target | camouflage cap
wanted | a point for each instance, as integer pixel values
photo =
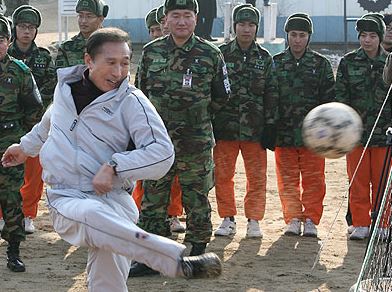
(236, 9)
(299, 21)
(160, 14)
(27, 14)
(181, 4)
(371, 22)
(250, 14)
(5, 26)
(97, 7)
(151, 18)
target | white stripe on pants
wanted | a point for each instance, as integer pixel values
(107, 225)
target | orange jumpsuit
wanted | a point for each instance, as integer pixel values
(367, 178)
(175, 207)
(301, 183)
(255, 162)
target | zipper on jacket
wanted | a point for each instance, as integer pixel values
(73, 125)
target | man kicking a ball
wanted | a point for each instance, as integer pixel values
(83, 141)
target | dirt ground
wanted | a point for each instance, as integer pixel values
(275, 263)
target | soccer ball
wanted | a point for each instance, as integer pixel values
(332, 129)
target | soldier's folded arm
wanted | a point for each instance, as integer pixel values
(220, 88)
(30, 101)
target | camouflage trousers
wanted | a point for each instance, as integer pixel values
(11, 179)
(196, 179)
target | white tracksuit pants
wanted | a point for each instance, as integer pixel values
(107, 226)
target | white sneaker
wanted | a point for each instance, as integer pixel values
(253, 229)
(294, 227)
(226, 228)
(175, 225)
(310, 230)
(359, 233)
(2, 223)
(29, 225)
(350, 229)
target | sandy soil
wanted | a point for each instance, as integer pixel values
(275, 263)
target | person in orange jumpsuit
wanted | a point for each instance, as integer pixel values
(239, 125)
(359, 83)
(305, 80)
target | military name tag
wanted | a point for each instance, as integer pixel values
(187, 79)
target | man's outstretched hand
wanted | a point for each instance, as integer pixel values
(13, 156)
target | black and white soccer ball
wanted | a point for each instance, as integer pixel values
(332, 129)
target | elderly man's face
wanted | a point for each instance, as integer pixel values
(110, 66)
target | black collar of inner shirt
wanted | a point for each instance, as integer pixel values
(89, 86)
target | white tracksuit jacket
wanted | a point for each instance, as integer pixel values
(73, 147)
(78, 145)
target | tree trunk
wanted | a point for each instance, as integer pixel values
(13, 4)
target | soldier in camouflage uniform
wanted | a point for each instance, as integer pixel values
(91, 14)
(20, 109)
(153, 26)
(26, 20)
(241, 122)
(185, 78)
(305, 80)
(175, 208)
(161, 19)
(359, 84)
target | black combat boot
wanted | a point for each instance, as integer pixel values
(198, 248)
(14, 263)
(141, 270)
(207, 265)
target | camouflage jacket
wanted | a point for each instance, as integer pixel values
(387, 74)
(187, 86)
(302, 85)
(359, 83)
(71, 52)
(254, 99)
(20, 101)
(38, 59)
